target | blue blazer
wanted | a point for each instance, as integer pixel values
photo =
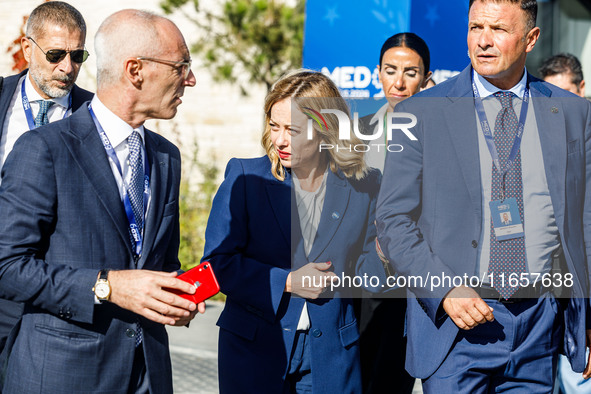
(62, 221)
(250, 242)
(9, 310)
(438, 176)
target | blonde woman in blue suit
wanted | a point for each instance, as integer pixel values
(297, 212)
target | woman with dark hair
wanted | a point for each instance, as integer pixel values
(298, 212)
(404, 67)
(403, 71)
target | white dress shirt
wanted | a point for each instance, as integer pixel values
(118, 131)
(309, 211)
(15, 123)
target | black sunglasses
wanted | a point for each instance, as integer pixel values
(57, 55)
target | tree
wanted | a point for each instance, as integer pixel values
(248, 40)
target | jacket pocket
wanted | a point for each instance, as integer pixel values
(349, 334)
(573, 147)
(242, 324)
(170, 209)
(66, 334)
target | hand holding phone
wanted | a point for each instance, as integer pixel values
(204, 280)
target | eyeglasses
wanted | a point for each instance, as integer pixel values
(183, 66)
(57, 55)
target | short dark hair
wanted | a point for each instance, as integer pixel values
(563, 63)
(57, 13)
(529, 6)
(411, 41)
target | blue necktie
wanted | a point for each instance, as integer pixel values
(507, 257)
(136, 197)
(136, 184)
(41, 118)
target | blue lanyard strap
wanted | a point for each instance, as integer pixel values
(488, 137)
(27, 106)
(133, 227)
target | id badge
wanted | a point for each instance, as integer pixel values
(506, 220)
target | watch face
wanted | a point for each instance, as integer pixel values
(102, 290)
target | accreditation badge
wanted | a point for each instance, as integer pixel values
(506, 220)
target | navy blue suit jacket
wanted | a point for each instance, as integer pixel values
(251, 240)
(11, 311)
(429, 213)
(62, 221)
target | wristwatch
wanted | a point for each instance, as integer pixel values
(102, 288)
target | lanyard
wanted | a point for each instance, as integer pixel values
(27, 107)
(490, 142)
(133, 227)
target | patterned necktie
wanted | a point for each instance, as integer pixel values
(507, 258)
(136, 197)
(136, 183)
(41, 117)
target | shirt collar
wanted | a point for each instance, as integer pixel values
(320, 189)
(33, 95)
(117, 129)
(486, 88)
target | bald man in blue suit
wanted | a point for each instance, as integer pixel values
(95, 292)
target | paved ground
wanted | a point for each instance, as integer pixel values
(194, 354)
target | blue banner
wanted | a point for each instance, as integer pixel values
(343, 38)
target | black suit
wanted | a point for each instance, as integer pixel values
(10, 311)
(381, 317)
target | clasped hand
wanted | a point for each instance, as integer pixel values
(144, 292)
(465, 307)
(310, 281)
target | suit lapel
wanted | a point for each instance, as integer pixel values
(87, 150)
(463, 129)
(333, 211)
(551, 129)
(79, 97)
(279, 195)
(298, 251)
(159, 164)
(10, 85)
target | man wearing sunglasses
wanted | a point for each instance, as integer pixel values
(54, 49)
(91, 244)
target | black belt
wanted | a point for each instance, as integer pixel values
(522, 294)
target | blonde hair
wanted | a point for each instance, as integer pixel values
(315, 91)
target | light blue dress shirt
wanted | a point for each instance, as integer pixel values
(541, 231)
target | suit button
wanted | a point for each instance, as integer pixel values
(316, 333)
(68, 314)
(130, 333)
(474, 244)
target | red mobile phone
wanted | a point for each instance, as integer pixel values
(204, 280)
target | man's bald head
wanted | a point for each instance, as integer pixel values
(125, 34)
(143, 66)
